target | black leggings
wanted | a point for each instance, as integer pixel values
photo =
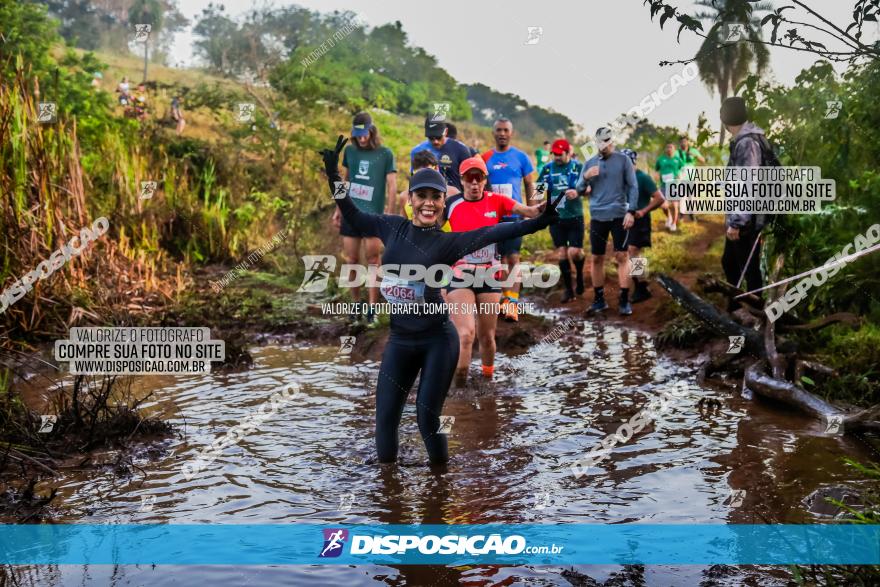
(435, 356)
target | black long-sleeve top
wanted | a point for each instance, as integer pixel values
(406, 243)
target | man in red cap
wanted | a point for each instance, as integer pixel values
(561, 175)
(475, 208)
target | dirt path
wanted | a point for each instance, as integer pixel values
(650, 315)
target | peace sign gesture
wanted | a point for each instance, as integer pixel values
(331, 156)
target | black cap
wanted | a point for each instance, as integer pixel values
(427, 178)
(434, 128)
(734, 111)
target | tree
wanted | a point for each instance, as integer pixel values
(848, 45)
(94, 24)
(724, 65)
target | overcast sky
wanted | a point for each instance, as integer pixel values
(595, 59)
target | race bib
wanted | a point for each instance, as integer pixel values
(483, 256)
(401, 291)
(667, 178)
(505, 189)
(361, 192)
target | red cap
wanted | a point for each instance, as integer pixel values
(560, 146)
(473, 163)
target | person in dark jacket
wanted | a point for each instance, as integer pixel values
(742, 249)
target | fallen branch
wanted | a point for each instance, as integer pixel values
(19, 456)
(820, 323)
(789, 393)
(712, 285)
(711, 317)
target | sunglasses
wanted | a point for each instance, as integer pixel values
(473, 177)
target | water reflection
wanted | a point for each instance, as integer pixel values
(511, 447)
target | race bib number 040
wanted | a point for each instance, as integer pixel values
(486, 255)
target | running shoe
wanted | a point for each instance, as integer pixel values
(567, 297)
(625, 309)
(598, 306)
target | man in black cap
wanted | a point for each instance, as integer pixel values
(449, 153)
(742, 249)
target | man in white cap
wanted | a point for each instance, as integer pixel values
(609, 181)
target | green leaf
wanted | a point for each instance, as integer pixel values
(807, 380)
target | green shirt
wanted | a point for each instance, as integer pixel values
(542, 158)
(367, 169)
(689, 157)
(647, 187)
(559, 179)
(668, 168)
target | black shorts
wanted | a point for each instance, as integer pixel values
(599, 230)
(512, 245)
(568, 232)
(640, 233)
(346, 229)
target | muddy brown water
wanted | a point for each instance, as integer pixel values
(511, 446)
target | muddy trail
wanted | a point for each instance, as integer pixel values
(512, 444)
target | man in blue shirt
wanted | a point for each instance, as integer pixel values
(449, 153)
(509, 168)
(609, 180)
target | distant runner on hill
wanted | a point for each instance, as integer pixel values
(668, 167)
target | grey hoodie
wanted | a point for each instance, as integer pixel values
(745, 151)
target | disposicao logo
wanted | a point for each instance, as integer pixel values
(455, 544)
(334, 539)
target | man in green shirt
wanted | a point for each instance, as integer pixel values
(561, 175)
(542, 157)
(639, 236)
(689, 157)
(668, 166)
(370, 171)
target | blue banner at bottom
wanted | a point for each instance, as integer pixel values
(514, 544)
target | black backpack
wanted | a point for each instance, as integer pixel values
(768, 159)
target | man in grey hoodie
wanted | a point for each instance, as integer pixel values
(742, 249)
(609, 180)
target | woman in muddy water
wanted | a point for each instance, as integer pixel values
(422, 339)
